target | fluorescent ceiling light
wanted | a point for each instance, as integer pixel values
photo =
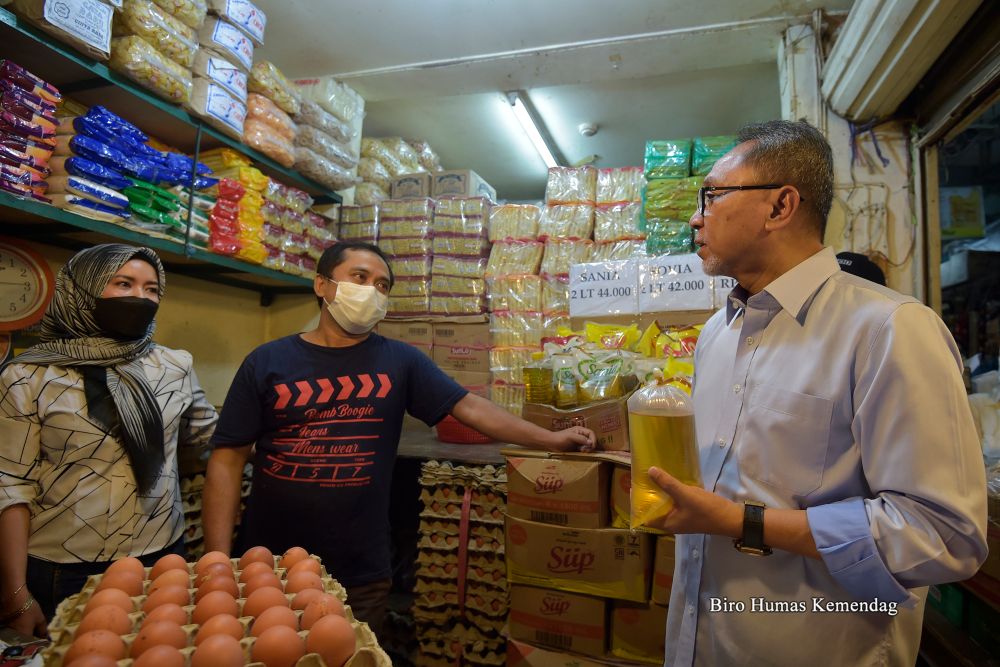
(531, 124)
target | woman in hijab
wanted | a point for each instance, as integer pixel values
(90, 422)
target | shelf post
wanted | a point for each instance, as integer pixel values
(188, 250)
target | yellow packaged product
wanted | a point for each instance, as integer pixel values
(566, 381)
(268, 80)
(619, 185)
(420, 288)
(514, 222)
(507, 363)
(415, 267)
(512, 329)
(510, 397)
(470, 246)
(679, 373)
(136, 59)
(571, 185)
(373, 171)
(360, 213)
(612, 336)
(266, 111)
(514, 258)
(409, 305)
(457, 305)
(376, 149)
(403, 228)
(555, 294)
(457, 286)
(562, 254)
(647, 341)
(265, 138)
(403, 247)
(404, 152)
(252, 251)
(518, 293)
(566, 221)
(189, 12)
(250, 177)
(359, 231)
(463, 267)
(366, 194)
(171, 37)
(219, 159)
(609, 252)
(251, 200)
(422, 209)
(617, 222)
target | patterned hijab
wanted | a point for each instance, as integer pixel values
(71, 337)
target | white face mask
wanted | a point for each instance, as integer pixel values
(357, 308)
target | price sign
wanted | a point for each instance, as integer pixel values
(723, 286)
(673, 282)
(603, 288)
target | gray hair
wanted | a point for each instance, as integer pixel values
(793, 153)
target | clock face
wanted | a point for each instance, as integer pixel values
(26, 285)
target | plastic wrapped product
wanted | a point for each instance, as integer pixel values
(462, 267)
(360, 213)
(373, 171)
(456, 286)
(297, 200)
(412, 287)
(89, 209)
(219, 159)
(457, 305)
(37, 104)
(407, 306)
(668, 159)
(116, 124)
(267, 79)
(171, 37)
(273, 235)
(200, 201)
(514, 258)
(617, 222)
(571, 185)
(615, 250)
(562, 254)
(674, 198)
(14, 157)
(338, 98)
(618, 185)
(403, 247)
(24, 176)
(221, 110)
(317, 246)
(404, 228)
(376, 149)
(136, 59)
(85, 24)
(516, 329)
(88, 190)
(470, 246)
(429, 160)
(296, 244)
(413, 267)
(358, 231)
(222, 71)
(327, 146)
(707, 150)
(407, 209)
(321, 234)
(366, 194)
(18, 76)
(514, 222)
(189, 12)
(228, 41)
(322, 170)
(555, 294)
(510, 397)
(251, 251)
(506, 363)
(90, 149)
(515, 293)
(262, 136)
(668, 237)
(474, 225)
(13, 124)
(405, 153)
(566, 221)
(265, 111)
(243, 14)
(13, 103)
(274, 259)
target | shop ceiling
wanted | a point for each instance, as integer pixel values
(638, 69)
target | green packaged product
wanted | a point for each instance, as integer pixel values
(668, 158)
(707, 151)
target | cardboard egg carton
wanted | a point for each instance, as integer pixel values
(444, 527)
(471, 588)
(483, 568)
(435, 509)
(488, 605)
(437, 472)
(484, 498)
(475, 654)
(439, 542)
(466, 633)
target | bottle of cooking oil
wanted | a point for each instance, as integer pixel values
(538, 387)
(661, 434)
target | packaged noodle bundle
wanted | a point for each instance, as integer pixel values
(516, 329)
(620, 184)
(359, 231)
(405, 246)
(606, 252)
(466, 216)
(463, 267)
(571, 185)
(617, 222)
(171, 37)
(322, 170)
(555, 294)
(406, 306)
(457, 305)
(457, 286)
(325, 145)
(510, 397)
(562, 254)
(273, 258)
(429, 160)
(668, 237)
(675, 198)
(514, 222)
(189, 12)
(366, 194)
(507, 363)
(376, 149)
(373, 171)
(267, 80)
(405, 153)
(566, 221)
(413, 267)
(314, 115)
(265, 111)
(359, 214)
(403, 228)
(707, 150)
(422, 209)
(265, 138)
(339, 99)
(515, 293)
(668, 159)
(472, 246)
(411, 287)
(136, 59)
(514, 258)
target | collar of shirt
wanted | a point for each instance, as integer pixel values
(792, 291)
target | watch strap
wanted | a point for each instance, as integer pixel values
(752, 541)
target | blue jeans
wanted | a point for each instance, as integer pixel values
(51, 582)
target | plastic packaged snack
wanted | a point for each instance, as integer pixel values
(457, 286)
(84, 146)
(617, 222)
(472, 246)
(14, 124)
(359, 214)
(25, 148)
(405, 153)
(227, 40)
(189, 12)
(404, 306)
(314, 115)
(568, 185)
(620, 184)
(412, 287)
(463, 267)
(358, 231)
(85, 24)
(457, 305)
(322, 143)
(221, 110)
(16, 158)
(23, 108)
(668, 159)
(562, 254)
(429, 160)
(515, 293)
(366, 194)
(317, 246)
(222, 71)
(81, 187)
(89, 209)
(555, 294)
(404, 228)
(24, 176)
(566, 221)
(514, 222)
(267, 79)
(296, 244)
(28, 82)
(35, 102)
(322, 170)
(337, 98)
(376, 148)
(408, 209)
(516, 329)
(403, 247)
(224, 158)
(373, 171)
(265, 111)
(615, 250)
(465, 216)
(514, 258)
(200, 201)
(247, 16)
(707, 150)
(297, 200)
(413, 267)
(673, 198)
(170, 36)
(263, 137)
(136, 59)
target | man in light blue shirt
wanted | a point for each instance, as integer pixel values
(841, 466)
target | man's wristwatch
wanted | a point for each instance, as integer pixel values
(752, 541)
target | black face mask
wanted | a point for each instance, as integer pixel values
(125, 316)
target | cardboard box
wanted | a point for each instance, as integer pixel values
(621, 488)
(663, 569)
(638, 631)
(461, 182)
(411, 186)
(552, 490)
(607, 562)
(565, 621)
(418, 334)
(607, 419)
(520, 654)
(462, 347)
(475, 381)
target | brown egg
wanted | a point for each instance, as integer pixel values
(301, 581)
(257, 555)
(92, 660)
(127, 564)
(110, 596)
(101, 642)
(292, 556)
(168, 611)
(223, 624)
(279, 646)
(267, 579)
(333, 638)
(130, 582)
(167, 563)
(156, 634)
(218, 651)
(325, 605)
(219, 583)
(109, 617)
(273, 617)
(304, 597)
(160, 656)
(170, 578)
(209, 558)
(253, 569)
(172, 594)
(214, 570)
(262, 599)
(213, 604)
(307, 565)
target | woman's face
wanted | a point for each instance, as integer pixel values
(135, 278)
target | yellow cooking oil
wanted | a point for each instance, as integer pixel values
(666, 441)
(538, 384)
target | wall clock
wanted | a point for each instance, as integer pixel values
(26, 285)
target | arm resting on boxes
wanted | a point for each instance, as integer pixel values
(15, 609)
(220, 501)
(492, 420)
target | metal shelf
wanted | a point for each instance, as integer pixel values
(92, 82)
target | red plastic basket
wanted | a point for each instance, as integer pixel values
(451, 430)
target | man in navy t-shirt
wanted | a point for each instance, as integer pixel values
(325, 410)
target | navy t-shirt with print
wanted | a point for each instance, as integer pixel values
(326, 423)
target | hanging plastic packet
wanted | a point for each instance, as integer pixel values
(605, 383)
(612, 336)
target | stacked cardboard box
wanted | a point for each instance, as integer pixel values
(581, 585)
(461, 590)
(191, 490)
